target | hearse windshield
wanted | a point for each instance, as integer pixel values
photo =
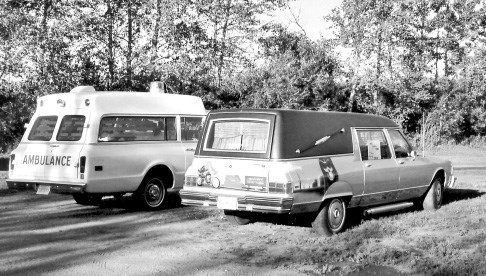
(238, 136)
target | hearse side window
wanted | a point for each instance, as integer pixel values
(191, 128)
(400, 145)
(43, 128)
(238, 135)
(373, 145)
(124, 128)
(71, 128)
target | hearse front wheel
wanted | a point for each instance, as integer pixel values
(433, 199)
(153, 193)
(236, 217)
(330, 220)
(87, 199)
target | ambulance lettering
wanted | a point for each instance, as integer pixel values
(44, 160)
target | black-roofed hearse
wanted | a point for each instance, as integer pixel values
(307, 162)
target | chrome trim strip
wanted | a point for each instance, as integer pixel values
(392, 191)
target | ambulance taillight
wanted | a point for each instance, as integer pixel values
(12, 159)
(82, 166)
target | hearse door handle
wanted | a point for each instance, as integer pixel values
(367, 165)
(190, 149)
(401, 161)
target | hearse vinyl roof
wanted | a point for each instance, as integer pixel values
(299, 130)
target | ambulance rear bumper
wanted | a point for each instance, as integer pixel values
(58, 188)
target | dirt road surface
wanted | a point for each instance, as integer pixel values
(52, 235)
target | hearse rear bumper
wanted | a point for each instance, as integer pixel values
(247, 201)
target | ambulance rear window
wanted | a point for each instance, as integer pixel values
(71, 128)
(43, 128)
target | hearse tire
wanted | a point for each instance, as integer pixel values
(433, 198)
(152, 193)
(331, 218)
(237, 218)
(87, 199)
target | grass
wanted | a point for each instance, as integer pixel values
(449, 241)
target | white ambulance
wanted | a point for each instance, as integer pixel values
(94, 143)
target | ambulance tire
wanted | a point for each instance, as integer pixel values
(87, 199)
(237, 217)
(153, 193)
(331, 218)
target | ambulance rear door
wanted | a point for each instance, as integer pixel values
(63, 155)
(31, 153)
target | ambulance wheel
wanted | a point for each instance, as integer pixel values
(330, 220)
(236, 217)
(433, 198)
(118, 196)
(87, 199)
(153, 193)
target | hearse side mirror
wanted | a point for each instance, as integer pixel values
(413, 154)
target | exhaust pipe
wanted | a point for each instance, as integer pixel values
(388, 208)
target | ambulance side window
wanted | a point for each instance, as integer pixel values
(191, 128)
(124, 128)
(43, 128)
(71, 128)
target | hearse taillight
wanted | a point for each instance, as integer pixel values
(280, 188)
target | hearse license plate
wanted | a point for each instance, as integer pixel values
(43, 189)
(228, 203)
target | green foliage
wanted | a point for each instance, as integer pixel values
(407, 60)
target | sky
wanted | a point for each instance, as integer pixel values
(310, 15)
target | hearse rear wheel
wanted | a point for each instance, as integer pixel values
(153, 193)
(433, 199)
(330, 220)
(236, 217)
(87, 199)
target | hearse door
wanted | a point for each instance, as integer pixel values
(191, 130)
(381, 173)
(64, 149)
(414, 175)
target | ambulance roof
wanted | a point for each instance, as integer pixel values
(117, 102)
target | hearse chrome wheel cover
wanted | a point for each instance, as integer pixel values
(154, 192)
(336, 214)
(438, 193)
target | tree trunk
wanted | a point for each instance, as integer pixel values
(110, 45)
(129, 45)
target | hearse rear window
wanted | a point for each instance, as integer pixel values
(43, 128)
(119, 129)
(238, 135)
(71, 128)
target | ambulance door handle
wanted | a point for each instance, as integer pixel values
(53, 146)
(401, 161)
(190, 149)
(367, 165)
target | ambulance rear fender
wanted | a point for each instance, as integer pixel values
(163, 172)
(339, 189)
